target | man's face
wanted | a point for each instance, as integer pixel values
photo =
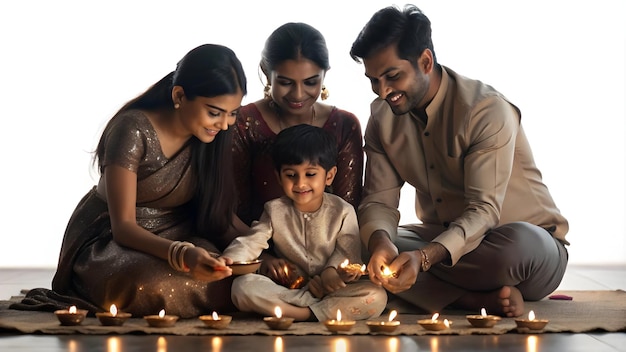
(401, 84)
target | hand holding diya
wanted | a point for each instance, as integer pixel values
(278, 322)
(113, 317)
(71, 316)
(336, 325)
(483, 320)
(162, 320)
(531, 323)
(215, 321)
(434, 324)
(384, 326)
(387, 273)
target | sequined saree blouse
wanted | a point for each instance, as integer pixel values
(254, 172)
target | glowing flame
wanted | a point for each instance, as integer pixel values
(277, 312)
(113, 310)
(435, 316)
(338, 315)
(392, 315)
(162, 313)
(215, 316)
(73, 310)
(483, 312)
(531, 315)
(363, 267)
(387, 272)
(446, 323)
(344, 263)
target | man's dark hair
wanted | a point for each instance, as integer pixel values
(408, 29)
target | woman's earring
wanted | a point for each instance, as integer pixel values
(176, 105)
(325, 94)
(267, 91)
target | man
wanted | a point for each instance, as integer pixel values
(491, 235)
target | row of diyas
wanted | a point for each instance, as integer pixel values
(74, 316)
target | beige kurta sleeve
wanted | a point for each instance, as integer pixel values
(381, 191)
(250, 246)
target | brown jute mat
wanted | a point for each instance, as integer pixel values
(588, 311)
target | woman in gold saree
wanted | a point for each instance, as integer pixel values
(146, 237)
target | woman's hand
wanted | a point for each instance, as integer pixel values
(205, 267)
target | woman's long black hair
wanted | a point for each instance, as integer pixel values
(209, 70)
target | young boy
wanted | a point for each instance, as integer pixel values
(313, 231)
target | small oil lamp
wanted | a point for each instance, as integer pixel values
(278, 322)
(353, 268)
(384, 326)
(336, 325)
(113, 317)
(434, 324)
(531, 323)
(388, 273)
(215, 321)
(483, 320)
(71, 316)
(162, 320)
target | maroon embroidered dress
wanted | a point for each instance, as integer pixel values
(254, 172)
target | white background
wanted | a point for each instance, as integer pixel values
(67, 66)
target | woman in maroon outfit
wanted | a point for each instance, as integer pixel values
(294, 62)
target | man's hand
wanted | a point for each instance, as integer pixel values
(406, 266)
(383, 252)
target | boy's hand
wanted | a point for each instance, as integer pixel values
(331, 281)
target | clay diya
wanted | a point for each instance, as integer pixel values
(483, 320)
(337, 325)
(531, 323)
(215, 321)
(435, 324)
(278, 322)
(113, 317)
(162, 320)
(384, 326)
(71, 316)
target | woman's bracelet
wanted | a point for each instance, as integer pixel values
(176, 255)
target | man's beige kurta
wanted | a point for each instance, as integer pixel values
(471, 166)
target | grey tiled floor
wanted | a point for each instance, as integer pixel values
(12, 280)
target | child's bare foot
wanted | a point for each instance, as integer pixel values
(506, 302)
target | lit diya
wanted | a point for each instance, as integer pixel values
(353, 268)
(434, 324)
(531, 323)
(384, 326)
(71, 316)
(278, 322)
(388, 273)
(113, 317)
(215, 321)
(162, 320)
(483, 320)
(336, 325)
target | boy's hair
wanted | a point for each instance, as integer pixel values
(298, 144)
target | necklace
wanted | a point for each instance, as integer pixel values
(276, 109)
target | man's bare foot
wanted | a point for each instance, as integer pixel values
(506, 302)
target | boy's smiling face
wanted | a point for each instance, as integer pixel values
(305, 183)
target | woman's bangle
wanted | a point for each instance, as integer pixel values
(176, 255)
